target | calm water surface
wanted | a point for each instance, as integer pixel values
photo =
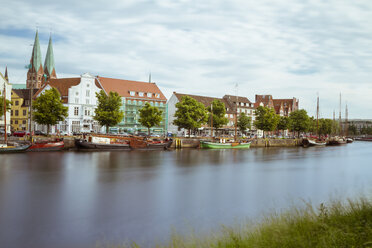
(76, 199)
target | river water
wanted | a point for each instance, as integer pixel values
(80, 199)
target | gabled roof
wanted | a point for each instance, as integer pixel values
(206, 100)
(240, 98)
(62, 85)
(24, 94)
(124, 87)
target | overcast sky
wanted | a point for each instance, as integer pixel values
(284, 48)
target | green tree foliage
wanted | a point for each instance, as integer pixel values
(353, 130)
(266, 119)
(244, 122)
(283, 123)
(299, 121)
(325, 126)
(313, 125)
(108, 111)
(335, 127)
(219, 112)
(150, 116)
(190, 114)
(48, 108)
(8, 105)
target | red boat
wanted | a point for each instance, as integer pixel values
(40, 146)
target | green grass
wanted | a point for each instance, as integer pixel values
(336, 224)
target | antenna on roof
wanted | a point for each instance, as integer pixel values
(150, 77)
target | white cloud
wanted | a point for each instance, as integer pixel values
(284, 48)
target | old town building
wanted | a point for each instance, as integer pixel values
(134, 95)
(21, 109)
(79, 95)
(4, 84)
(233, 105)
(283, 107)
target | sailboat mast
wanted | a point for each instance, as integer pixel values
(346, 121)
(236, 114)
(4, 105)
(317, 116)
(212, 119)
(339, 118)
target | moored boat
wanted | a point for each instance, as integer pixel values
(12, 148)
(349, 140)
(136, 143)
(101, 143)
(306, 142)
(40, 146)
(216, 145)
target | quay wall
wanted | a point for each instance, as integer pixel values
(195, 142)
(187, 142)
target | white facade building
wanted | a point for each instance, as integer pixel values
(79, 95)
(8, 89)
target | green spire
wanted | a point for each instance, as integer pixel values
(36, 53)
(49, 59)
(6, 74)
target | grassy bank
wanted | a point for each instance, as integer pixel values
(336, 224)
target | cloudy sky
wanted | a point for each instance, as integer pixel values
(287, 48)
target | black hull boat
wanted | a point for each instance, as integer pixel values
(85, 145)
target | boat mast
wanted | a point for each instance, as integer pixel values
(236, 114)
(346, 121)
(5, 130)
(212, 120)
(339, 118)
(317, 116)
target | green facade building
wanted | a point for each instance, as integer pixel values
(134, 95)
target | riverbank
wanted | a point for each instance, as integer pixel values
(330, 225)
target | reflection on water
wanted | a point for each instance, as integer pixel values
(75, 199)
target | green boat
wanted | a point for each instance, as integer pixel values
(215, 145)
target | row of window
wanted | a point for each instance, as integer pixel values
(134, 102)
(142, 94)
(16, 112)
(87, 112)
(87, 92)
(16, 122)
(87, 101)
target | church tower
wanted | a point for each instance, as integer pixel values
(49, 69)
(35, 69)
(6, 74)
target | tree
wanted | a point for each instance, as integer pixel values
(190, 114)
(244, 122)
(108, 111)
(312, 125)
(352, 129)
(8, 105)
(219, 111)
(325, 126)
(48, 108)
(150, 116)
(283, 123)
(266, 119)
(299, 121)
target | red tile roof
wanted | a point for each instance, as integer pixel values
(124, 87)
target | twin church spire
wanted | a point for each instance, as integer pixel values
(38, 75)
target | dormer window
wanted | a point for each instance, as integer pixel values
(157, 95)
(149, 94)
(140, 93)
(132, 93)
